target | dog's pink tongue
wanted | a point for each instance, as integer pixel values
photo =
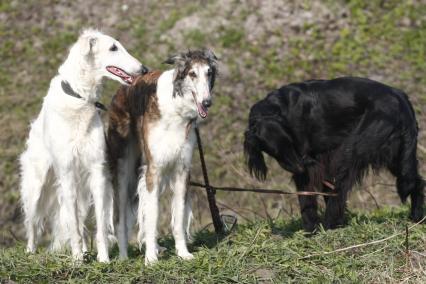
(202, 111)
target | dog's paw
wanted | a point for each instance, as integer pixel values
(150, 259)
(416, 214)
(103, 259)
(30, 249)
(186, 255)
(123, 256)
(78, 256)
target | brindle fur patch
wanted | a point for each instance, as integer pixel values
(133, 109)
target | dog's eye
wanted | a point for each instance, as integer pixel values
(209, 72)
(192, 74)
(113, 48)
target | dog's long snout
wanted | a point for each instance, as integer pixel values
(207, 103)
(144, 70)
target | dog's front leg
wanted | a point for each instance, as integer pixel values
(180, 206)
(101, 190)
(335, 207)
(69, 214)
(150, 206)
(180, 213)
(308, 204)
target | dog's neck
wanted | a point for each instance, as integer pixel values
(82, 80)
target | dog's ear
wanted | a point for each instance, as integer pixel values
(212, 60)
(179, 62)
(210, 55)
(88, 44)
(173, 59)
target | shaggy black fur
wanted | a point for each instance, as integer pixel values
(334, 130)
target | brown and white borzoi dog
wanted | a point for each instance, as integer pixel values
(150, 129)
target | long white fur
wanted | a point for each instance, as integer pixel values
(171, 148)
(63, 167)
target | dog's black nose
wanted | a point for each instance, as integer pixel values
(144, 70)
(207, 103)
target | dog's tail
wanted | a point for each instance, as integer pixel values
(254, 156)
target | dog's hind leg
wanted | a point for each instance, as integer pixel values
(126, 174)
(408, 180)
(123, 203)
(365, 146)
(140, 216)
(35, 165)
(308, 204)
(417, 200)
(126, 187)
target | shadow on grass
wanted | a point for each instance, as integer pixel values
(207, 239)
(383, 215)
(203, 238)
(287, 229)
(283, 228)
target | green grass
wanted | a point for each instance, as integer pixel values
(195, 38)
(231, 37)
(271, 251)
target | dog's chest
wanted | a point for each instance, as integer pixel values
(83, 123)
(170, 145)
(79, 129)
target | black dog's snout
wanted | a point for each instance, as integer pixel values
(207, 103)
(144, 70)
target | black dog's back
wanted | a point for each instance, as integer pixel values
(331, 109)
(334, 130)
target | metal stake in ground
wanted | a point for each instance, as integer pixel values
(217, 222)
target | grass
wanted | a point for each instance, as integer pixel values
(231, 37)
(260, 251)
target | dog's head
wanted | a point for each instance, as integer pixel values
(194, 77)
(106, 57)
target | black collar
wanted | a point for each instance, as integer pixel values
(66, 87)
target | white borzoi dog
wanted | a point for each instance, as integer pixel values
(63, 167)
(151, 133)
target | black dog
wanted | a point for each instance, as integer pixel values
(329, 132)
